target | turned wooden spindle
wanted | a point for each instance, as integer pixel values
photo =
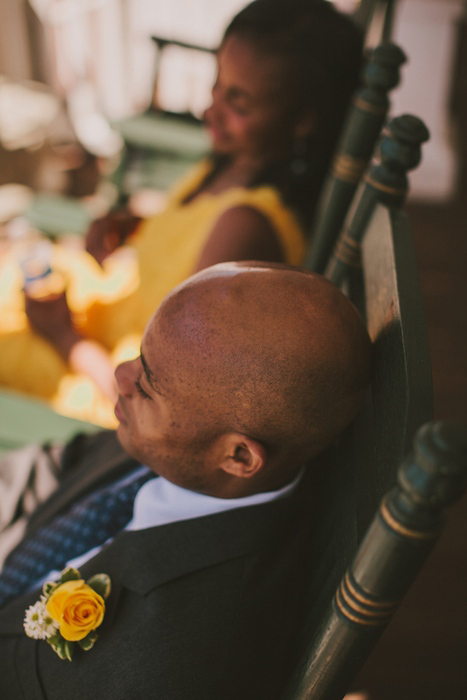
(362, 129)
(399, 539)
(386, 182)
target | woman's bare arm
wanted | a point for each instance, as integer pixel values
(241, 233)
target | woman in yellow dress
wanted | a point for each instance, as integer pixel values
(285, 75)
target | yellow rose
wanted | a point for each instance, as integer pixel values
(77, 608)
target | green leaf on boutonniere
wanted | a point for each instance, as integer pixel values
(69, 649)
(61, 647)
(89, 641)
(100, 583)
(48, 588)
(69, 574)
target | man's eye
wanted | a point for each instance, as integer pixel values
(141, 390)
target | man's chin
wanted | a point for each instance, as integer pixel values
(122, 437)
(130, 448)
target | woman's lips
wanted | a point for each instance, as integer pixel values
(216, 135)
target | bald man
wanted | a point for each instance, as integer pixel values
(247, 372)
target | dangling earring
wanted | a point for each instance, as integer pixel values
(299, 163)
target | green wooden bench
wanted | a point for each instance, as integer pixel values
(381, 506)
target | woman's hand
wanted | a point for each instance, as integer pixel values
(51, 318)
(108, 233)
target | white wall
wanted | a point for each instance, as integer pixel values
(426, 31)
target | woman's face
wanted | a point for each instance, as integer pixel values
(251, 117)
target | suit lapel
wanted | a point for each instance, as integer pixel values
(145, 559)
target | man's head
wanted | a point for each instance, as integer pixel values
(246, 371)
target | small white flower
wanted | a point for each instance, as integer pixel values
(49, 625)
(37, 622)
(33, 621)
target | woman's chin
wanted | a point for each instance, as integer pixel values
(219, 143)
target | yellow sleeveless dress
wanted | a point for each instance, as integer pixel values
(113, 304)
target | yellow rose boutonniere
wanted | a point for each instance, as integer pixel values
(69, 611)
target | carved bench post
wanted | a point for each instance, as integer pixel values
(363, 126)
(386, 182)
(397, 542)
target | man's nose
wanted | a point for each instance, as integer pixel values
(125, 375)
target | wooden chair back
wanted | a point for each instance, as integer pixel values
(189, 52)
(407, 524)
(357, 144)
(360, 587)
(374, 261)
(161, 143)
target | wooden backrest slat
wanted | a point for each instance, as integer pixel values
(361, 131)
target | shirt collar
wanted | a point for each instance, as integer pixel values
(159, 502)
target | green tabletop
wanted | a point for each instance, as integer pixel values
(24, 420)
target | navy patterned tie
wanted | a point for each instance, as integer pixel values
(87, 524)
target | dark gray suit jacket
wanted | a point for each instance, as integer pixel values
(200, 610)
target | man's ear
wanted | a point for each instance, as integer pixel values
(242, 456)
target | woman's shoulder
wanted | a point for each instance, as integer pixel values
(249, 205)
